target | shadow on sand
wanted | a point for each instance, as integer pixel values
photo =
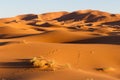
(99, 40)
(19, 63)
(4, 43)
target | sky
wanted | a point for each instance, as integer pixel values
(9, 8)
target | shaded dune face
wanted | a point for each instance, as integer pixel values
(51, 15)
(112, 23)
(88, 16)
(73, 16)
(99, 40)
(27, 17)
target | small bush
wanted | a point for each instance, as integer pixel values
(42, 63)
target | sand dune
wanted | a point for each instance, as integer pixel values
(79, 45)
(53, 36)
(27, 17)
(51, 15)
(88, 16)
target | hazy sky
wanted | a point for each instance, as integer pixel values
(15, 7)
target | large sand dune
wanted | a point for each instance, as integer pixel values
(84, 45)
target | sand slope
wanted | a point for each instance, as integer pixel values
(77, 56)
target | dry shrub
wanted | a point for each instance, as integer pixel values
(42, 63)
(48, 65)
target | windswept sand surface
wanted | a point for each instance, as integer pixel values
(84, 45)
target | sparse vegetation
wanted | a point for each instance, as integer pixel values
(42, 63)
(49, 65)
